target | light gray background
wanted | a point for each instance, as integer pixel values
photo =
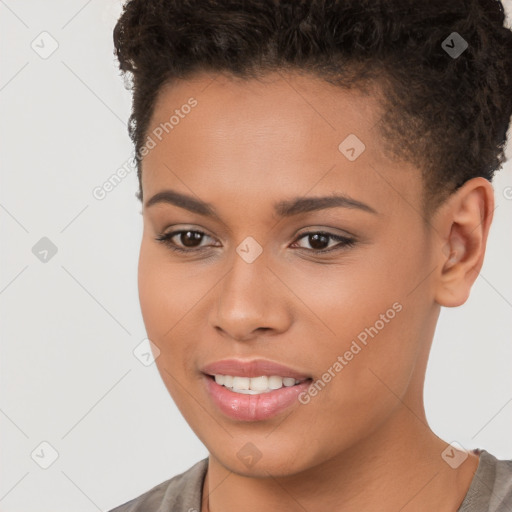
(69, 326)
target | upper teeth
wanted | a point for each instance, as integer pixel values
(254, 385)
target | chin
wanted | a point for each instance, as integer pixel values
(265, 457)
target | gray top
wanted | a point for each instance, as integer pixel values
(490, 490)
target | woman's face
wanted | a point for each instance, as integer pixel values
(253, 288)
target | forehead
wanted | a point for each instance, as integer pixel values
(283, 135)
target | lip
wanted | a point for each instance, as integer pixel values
(260, 407)
(252, 368)
(244, 407)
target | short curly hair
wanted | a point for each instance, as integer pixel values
(446, 114)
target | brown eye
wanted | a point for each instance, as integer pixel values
(190, 238)
(319, 241)
(183, 239)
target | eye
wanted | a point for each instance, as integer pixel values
(189, 238)
(319, 239)
(191, 241)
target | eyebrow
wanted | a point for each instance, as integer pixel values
(286, 208)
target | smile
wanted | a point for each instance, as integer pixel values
(255, 385)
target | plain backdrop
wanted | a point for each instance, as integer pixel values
(70, 324)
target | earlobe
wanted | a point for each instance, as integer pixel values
(464, 226)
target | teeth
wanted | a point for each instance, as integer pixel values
(241, 382)
(254, 385)
(275, 382)
(259, 383)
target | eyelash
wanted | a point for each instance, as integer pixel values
(344, 241)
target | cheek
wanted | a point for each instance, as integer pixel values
(154, 294)
(365, 327)
(366, 364)
(166, 294)
(172, 295)
(164, 301)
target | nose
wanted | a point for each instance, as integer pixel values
(250, 302)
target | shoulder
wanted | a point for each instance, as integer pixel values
(180, 493)
(491, 488)
(501, 497)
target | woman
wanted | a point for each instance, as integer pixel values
(316, 184)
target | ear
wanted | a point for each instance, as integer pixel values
(463, 223)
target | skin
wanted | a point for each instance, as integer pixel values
(363, 442)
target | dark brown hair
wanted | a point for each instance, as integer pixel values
(446, 114)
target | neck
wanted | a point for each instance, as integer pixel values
(398, 467)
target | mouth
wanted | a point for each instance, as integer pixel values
(255, 385)
(253, 390)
